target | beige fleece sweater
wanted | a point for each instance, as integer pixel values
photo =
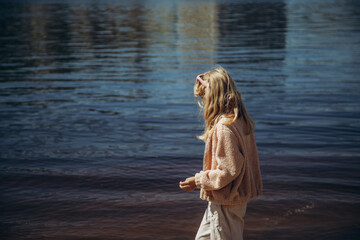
(231, 172)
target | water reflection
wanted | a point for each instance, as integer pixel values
(253, 25)
(99, 121)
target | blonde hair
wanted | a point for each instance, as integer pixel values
(221, 99)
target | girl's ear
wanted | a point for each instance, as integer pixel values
(230, 100)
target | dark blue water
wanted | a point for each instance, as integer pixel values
(98, 118)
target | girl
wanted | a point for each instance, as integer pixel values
(231, 174)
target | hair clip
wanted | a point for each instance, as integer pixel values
(199, 78)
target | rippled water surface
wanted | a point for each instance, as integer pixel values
(98, 118)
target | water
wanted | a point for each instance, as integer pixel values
(98, 118)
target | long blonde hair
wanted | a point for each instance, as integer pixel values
(221, 99)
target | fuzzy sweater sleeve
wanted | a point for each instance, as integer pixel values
(229, 161)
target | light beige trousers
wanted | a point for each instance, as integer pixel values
(222, 223)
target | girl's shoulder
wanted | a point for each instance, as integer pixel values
(227, 124)
(225, 120)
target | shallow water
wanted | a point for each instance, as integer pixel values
(98, 119)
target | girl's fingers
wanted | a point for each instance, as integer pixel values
(184, 186)
(184, 183)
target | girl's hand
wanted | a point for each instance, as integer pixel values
(188, 185)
